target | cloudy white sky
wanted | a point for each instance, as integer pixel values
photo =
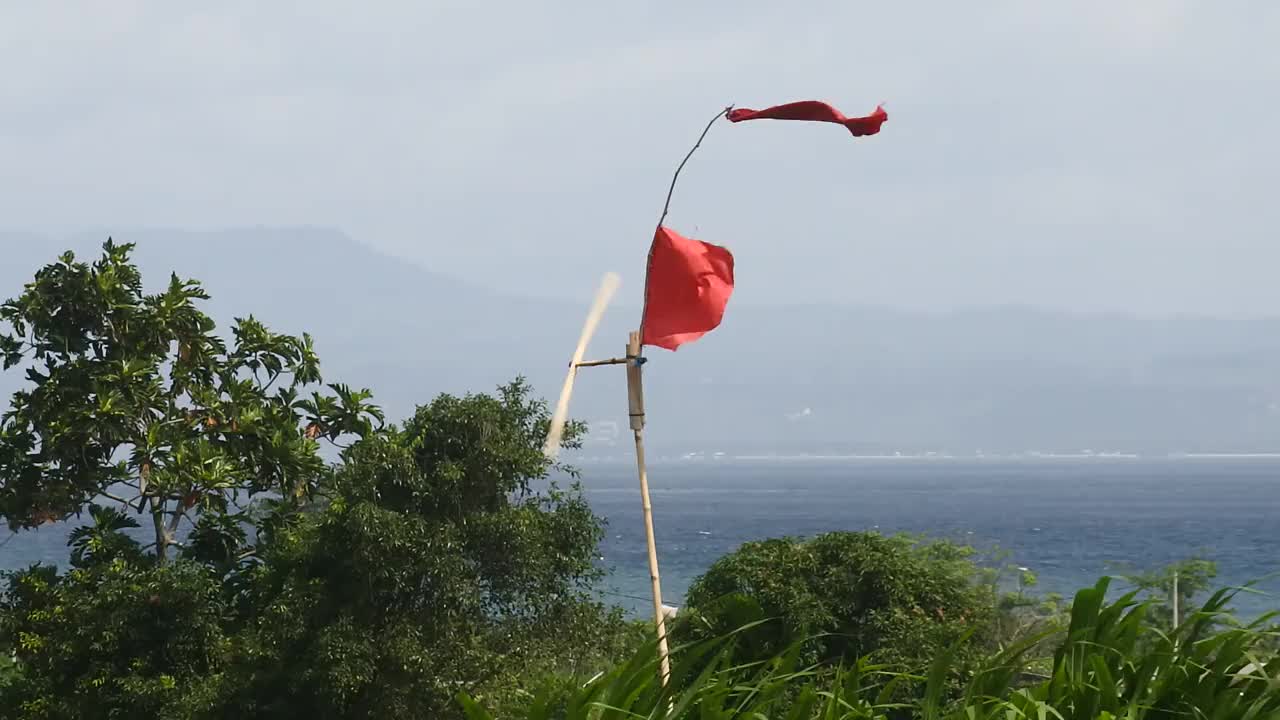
(1090, 154)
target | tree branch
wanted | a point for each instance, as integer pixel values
(162, 538)
(178, 514)
(117, 498)
(271, 382)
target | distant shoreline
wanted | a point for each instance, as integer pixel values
(940, 457)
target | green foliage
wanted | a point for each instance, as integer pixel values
(433, 566)
(894, 599)
(113, 639)
(219, 541)
(8, 670)
(134, 393)
(1023, 619)
(425, 566)
(424, 560)
(1191, 577)
(1115, 663)
(104, 540)
(1110, 664)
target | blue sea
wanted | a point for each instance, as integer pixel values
(1068, 520)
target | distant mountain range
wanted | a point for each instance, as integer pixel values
(786, 380)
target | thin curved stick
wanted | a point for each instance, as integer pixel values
(666, 207)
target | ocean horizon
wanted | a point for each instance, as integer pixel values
(1070, 520)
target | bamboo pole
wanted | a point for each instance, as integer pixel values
(635, 404)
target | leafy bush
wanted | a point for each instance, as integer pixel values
(113, 638)
(8, 669)
(1191, 578)
(855, 594)
(1111, 663)
(1115, 662)
(432, 566)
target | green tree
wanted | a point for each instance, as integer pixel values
(135, 399)
(432, 557)
(1187, 579)
(435, 565)
(135, 406)
(895, 599)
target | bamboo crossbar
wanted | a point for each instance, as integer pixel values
(598, 363)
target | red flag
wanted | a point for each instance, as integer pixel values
(687, 287)
(814, 111)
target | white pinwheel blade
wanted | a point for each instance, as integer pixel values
(608, 286)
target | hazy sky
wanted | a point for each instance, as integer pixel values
(1091, 154)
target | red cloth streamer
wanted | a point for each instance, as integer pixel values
(814, 111)
(686, 289)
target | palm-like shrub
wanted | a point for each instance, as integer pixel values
(1112, 663)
